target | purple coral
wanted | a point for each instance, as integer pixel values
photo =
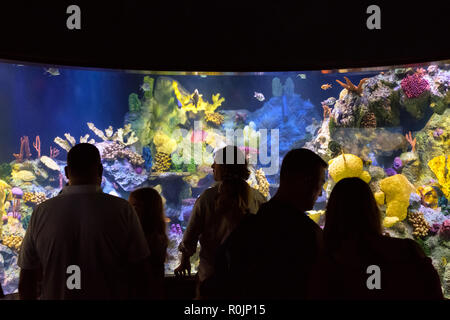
(438, 132)
(390, 172)
(138, 170)
(397, 164)
(435, 228)
(444, 230)
(414, 85)
(17, 193)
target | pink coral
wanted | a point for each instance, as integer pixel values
(414, 85)
(444, 230)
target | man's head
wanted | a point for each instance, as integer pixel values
(302, 177)
(84, 165)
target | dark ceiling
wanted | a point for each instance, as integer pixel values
(225, 35)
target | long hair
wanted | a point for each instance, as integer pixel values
(232, 199)
(352, 214)
(150, 209)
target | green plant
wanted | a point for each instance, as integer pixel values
(5, 171)
(192, 168)
(134, 104)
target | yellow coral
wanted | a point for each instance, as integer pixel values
(429, 196)
(12, 241)
(315, 215)
(214, 117)
(442, 171)
(164, 143)
(5, 195)
(34, 197)
(118, 136)
(186, 101)
(23, 175)
(162, 162)
(420, 225)
(397, 189)
(347, 166)
(263, 184)
(379, 197)
(50, 163)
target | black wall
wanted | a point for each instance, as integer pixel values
(225, 35)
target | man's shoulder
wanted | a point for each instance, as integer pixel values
(103, 198)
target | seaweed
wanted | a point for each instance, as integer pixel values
(134, 104)
(424, 246)
(332, 126)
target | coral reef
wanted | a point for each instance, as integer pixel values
(214, 117)
(162, 162)
(397, 190)
(444, 230)
(125, 136)
(195, 103)
(441, 168)
(24, 150)
(261, 184)
(347, 166)
(115, 150)
(414, 86)
(34, 197)
(50, 163)
(164, 144)
(351, 87)
(122, 172)
(13, 242)
(411, 141)
(420, 225)
(23, 175)
(369, 120)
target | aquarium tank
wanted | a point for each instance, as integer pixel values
(390, 126)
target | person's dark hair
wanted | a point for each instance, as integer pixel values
(352, 214)
(84, 160)
(232, 200)
(150, 210)
(302, 162)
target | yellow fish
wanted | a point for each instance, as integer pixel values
(432, 104)
(444, 261)
(325, 86)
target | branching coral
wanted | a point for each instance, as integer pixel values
(351, 87)
(411, 141)
(124, 136)
(116, 150)
(369, 121)
(441, 168)
(194, 102)
(71, 141)
(214, 117)
(420, 225)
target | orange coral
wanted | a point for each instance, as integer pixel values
(326, 111)
(351, 87)
(411, 141)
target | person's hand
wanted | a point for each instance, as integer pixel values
(184, 268)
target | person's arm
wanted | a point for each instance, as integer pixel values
(188, 245)
(28, 261)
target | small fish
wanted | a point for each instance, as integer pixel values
(52, 71)
(444, 261)
(203, 76)
(433, 104)
(326, 86)
(325, 71)
(259, 96)
(302, 75)
(195, 98)
(179, 103)
(330, 101)
(145, 87)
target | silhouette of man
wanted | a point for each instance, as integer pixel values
(272, 256)
(83, 227)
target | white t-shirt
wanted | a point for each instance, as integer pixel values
(203, 227)
(83, 226)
